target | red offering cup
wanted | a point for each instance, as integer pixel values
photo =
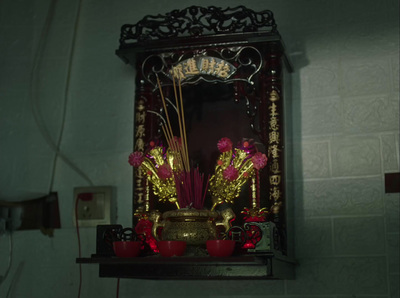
(220, 248)
(127, 249)
(171, 248)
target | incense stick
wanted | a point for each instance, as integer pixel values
(188, 183)
(168, 132)
(183, 122)
(181, 128)
(165, 107)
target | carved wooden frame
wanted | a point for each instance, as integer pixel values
(250, 43)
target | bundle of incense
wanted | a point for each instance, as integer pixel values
(190, 188)
(180, 149)
(188, 182)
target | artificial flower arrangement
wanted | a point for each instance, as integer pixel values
(187, 189)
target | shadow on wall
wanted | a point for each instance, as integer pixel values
(294, 164)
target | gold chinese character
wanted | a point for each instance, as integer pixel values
(273, 123)
(205, 65)
(275, 167)
(190, 67)
(274, 96)
(140, 105)
(177, 72)
(275, 179)
(275, 193)
(274, 137)
(140, 198)
(140, 117)
(273, 109)
(222, 69)
(140, 131)
(139, 146)
(274, 151)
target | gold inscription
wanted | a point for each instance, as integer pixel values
(203, 65)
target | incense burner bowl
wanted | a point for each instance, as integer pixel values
(193, 226)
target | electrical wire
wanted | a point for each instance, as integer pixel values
(79, 246)
(14, 279)
(55, 146)
(10, 250)
(117, 288)
(66, 98)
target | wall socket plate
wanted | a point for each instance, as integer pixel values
(93, 206)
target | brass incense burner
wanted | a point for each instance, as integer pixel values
(191, 225)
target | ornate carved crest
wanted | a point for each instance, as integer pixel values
(198, 21)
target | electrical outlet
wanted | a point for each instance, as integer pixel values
(92, 206)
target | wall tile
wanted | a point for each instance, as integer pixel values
(355, 156)
(314, 160)
(319, 80)
(367, 40)
(392, 212)
(313, 238)
(357, 276)
(359, 236)
(345, 11)
(394, 62)
(341, 197)
(394, 285)
(361, 276)
(317, 45)
(389, 153)
(365, 77)
(370, 114)
(393, 252)
(321, 116)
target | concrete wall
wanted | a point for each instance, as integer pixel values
(346, 110)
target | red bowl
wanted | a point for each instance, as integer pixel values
(171, 248)
(127, 249)
(220, 248)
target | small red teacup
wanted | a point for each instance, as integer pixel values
(171, 248)
(220, 248)
(127, 249)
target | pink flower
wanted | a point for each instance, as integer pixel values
(230, 173)
(259, 160)
(164, 172)
(224, 145)
(136, 159)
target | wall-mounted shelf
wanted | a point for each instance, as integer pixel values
(260, 266)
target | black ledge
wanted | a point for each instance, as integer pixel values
(260, 266)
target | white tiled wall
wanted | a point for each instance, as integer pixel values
(346, 117)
